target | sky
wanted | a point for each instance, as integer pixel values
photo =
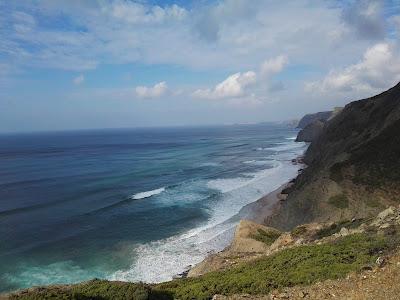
(112, 63)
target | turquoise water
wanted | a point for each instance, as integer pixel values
(137, 204)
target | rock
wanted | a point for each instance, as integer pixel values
(384, 216)
(380, 261)
(344, 231)
(244, 242)
(302, 294)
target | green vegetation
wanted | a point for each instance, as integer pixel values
(95, 289)
(299, 230)
(339, 201)
(294, 266)
(266, 237)
(336, 227)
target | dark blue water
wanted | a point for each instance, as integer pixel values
(136, 204)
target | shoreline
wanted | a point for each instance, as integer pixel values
(262, 208)
(257, 212)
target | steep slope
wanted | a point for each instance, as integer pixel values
(310, 118)
(353, 165)
(311, 132)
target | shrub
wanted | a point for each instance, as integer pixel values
(339, 201)
(294, 266)
(299, 230)
(336, 227)
(266, 237)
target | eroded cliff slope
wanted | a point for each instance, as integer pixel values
(353, 166)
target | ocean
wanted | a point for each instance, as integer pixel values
(130, 204)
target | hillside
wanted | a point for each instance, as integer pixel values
(353, 165)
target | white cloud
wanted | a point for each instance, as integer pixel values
(79, 79)
(274, 65)
(245, 85)
(158, 90)
(232, 87)
(379, 69)
(137, 13)
(227, 34)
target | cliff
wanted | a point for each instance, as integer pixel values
(311, 132)
(353, 165)
(310, 118)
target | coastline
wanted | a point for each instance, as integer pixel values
(261, 209)
(256, 212)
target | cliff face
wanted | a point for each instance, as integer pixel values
(311, 132)
(353, 165)
(310, 118)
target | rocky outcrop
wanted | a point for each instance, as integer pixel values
(310, 118)
(310, 132)
(249, 242)
(353, 166)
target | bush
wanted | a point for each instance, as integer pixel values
(295, 266)
(266, 237)
(339, 201)
(336, 227)
(94, 289)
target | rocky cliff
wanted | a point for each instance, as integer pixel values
(311, 132)
(353, 165)
(310, 118)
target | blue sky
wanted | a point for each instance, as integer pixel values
(103, 64)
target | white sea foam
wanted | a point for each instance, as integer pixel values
(159, 261)
(228, 184)
(292, 138)
(286, 147)
(257, 162)
(147, 194)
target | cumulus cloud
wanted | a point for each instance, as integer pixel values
(240, 85)
(232, 87)
(158, 90)
(79, 79)
(379, 69)
(365, 16)
(274, 65)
